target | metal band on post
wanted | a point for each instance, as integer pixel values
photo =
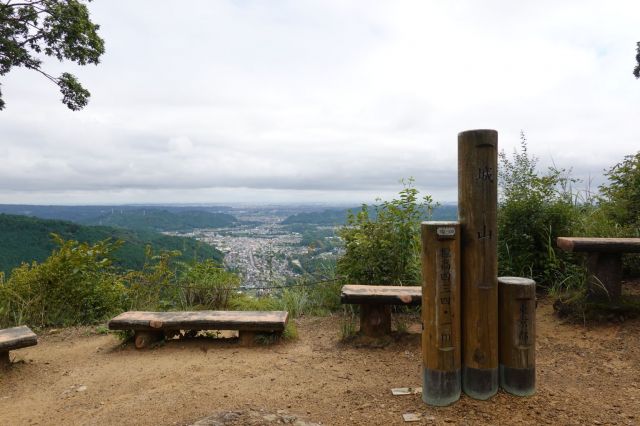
(441, 312)
(517, 335)
(477, 207)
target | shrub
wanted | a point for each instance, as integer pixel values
(533, 210)
(383, 246)
(620, 203)
(75, 285)
(154, 287)
(206, 285)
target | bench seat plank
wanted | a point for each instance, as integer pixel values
(16, 338)
(601, 245)
(381, 294)
(201, 320)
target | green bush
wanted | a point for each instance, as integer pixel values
(383, 246)
(533, 210)
(620, 203)
(75, 285)
(206, 285)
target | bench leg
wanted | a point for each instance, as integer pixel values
(605, 270)
(144, 339)
(4, 359)
(247, 338)
(375, 320)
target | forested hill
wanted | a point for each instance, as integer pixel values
(24, 239)
(163, 220)
(336, 217)
(154, 218)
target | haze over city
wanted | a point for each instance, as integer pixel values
(332, 101)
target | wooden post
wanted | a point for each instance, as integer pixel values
(441, 312)
(144, 339)
(477, 209)
(375, 320)
(5, 361)
(605, 275)
(247, 338)
(517, 335)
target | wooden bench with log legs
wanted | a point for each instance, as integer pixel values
(375, 304)
(151, 327)
(15, 338)
(604, 261)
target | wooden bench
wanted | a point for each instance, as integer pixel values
(375, 304)
(150, 327)
(604, 261)
(15, 338)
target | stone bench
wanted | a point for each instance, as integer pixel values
(150, 327)
(15, 338)
(604, 261)
(375, 304)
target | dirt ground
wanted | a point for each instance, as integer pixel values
(586, 375)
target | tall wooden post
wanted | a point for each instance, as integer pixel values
(517, 335)
(441, 312)
(477, 208)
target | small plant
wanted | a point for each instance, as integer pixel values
(349, 324)
(290, 331)
(102, 329)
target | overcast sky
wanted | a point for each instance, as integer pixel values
(327, 100)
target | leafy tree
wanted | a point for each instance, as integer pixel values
(620, 198)
(636, 70)
(58, 28)
(383, 246)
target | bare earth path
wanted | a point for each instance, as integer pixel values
(586, 375)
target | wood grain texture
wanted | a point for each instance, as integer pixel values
(477, 209)
(381, 294)
(601, 245)
(201, 320)
(375, 320)
(517, 322)
(16, 338)
(441, 344)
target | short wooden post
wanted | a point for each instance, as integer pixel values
(247, 337)
(375, 320)
(441, 312)
(517, 335)
(5, 361)
(477, 209)
(144, 339)
(605, 275)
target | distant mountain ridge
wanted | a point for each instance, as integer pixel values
(25, 239)
(337, 217)
(151, 218)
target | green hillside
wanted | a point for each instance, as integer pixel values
(154, 219)
(25, 239)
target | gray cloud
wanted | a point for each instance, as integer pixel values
(303, 101)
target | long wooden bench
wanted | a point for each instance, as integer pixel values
(375, 304)
(604, 261)
(150, 327)
(15, 338)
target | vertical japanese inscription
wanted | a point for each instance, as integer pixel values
(523, 324)
(443, 297)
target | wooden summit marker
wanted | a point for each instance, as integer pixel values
(477, 210)
(517, 335)
(441, 312)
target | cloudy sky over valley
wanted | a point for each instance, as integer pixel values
(328, 100)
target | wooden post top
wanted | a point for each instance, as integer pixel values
(16, 338)
(603, 245)
(516, 281)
